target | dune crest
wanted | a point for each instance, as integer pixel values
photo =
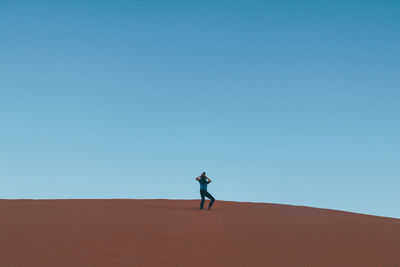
(177, 233)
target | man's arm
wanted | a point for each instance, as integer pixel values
(197, 178)
(209, 180)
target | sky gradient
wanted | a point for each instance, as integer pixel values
(294, 102)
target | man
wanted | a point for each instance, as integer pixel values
(204, 181)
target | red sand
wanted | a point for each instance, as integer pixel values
(175, 233)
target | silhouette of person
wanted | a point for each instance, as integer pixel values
(204, 181)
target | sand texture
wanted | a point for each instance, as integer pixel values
(176, 233)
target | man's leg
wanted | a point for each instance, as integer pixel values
(211, 198)
(202, 199)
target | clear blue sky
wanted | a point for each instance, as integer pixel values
(294, 102)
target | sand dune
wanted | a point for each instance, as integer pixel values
(176, 233)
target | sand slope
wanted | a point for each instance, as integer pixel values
(176, 233)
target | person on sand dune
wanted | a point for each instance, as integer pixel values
(204, 181)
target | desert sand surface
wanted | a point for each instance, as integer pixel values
(176, 233)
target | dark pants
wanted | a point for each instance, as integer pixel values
(204, 194)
